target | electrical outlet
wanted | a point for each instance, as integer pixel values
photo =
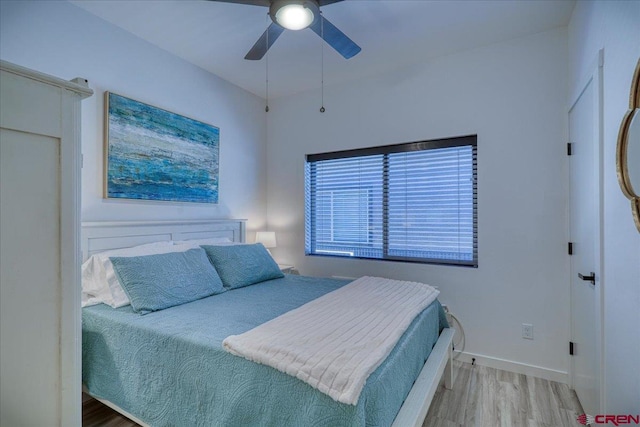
(527, 331)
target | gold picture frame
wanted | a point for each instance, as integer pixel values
(629, 139)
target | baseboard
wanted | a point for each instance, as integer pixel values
(516, 367)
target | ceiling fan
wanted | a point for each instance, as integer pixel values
(298, 15)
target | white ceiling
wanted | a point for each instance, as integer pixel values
(393, 34)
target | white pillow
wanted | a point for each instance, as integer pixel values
(94, 290)
(99, 281)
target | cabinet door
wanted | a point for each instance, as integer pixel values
(39, 290)
(30, 265)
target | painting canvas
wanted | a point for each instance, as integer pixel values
(153, 154)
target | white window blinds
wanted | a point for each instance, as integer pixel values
(407, 202)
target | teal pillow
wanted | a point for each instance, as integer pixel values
(156, 282)
(243, 265)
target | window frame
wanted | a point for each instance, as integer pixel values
(386, 150)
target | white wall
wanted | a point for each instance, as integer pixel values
(513, 96)
(61, 39)
(614, 26)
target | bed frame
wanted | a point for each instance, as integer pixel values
(103, 236)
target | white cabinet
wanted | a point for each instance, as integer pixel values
(40, 338)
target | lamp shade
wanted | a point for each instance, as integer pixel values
(267, 238)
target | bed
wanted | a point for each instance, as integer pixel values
(168, 367)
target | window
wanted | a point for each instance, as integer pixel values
(407, 202)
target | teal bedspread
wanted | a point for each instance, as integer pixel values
(168, 368)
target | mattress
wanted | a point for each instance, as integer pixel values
(168, 368)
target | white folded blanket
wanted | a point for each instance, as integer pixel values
(335, 342)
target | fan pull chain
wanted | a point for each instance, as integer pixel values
(322, 109)
(266, 108)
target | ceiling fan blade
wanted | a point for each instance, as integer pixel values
(335, 38)
(326, 2)
(266, 3)
(260, 48)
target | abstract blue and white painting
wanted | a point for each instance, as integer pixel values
(153, 154)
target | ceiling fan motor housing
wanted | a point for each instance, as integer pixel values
(277, 5)
(298, 15)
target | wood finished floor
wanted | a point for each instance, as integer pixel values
(481, 397)
(95, 414)
(488, 397)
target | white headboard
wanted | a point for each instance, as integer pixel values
(102, 236)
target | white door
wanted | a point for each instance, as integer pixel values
(584, 230)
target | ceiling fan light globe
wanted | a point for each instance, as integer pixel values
(294, 16)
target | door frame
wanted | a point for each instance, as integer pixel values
(595, 76)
